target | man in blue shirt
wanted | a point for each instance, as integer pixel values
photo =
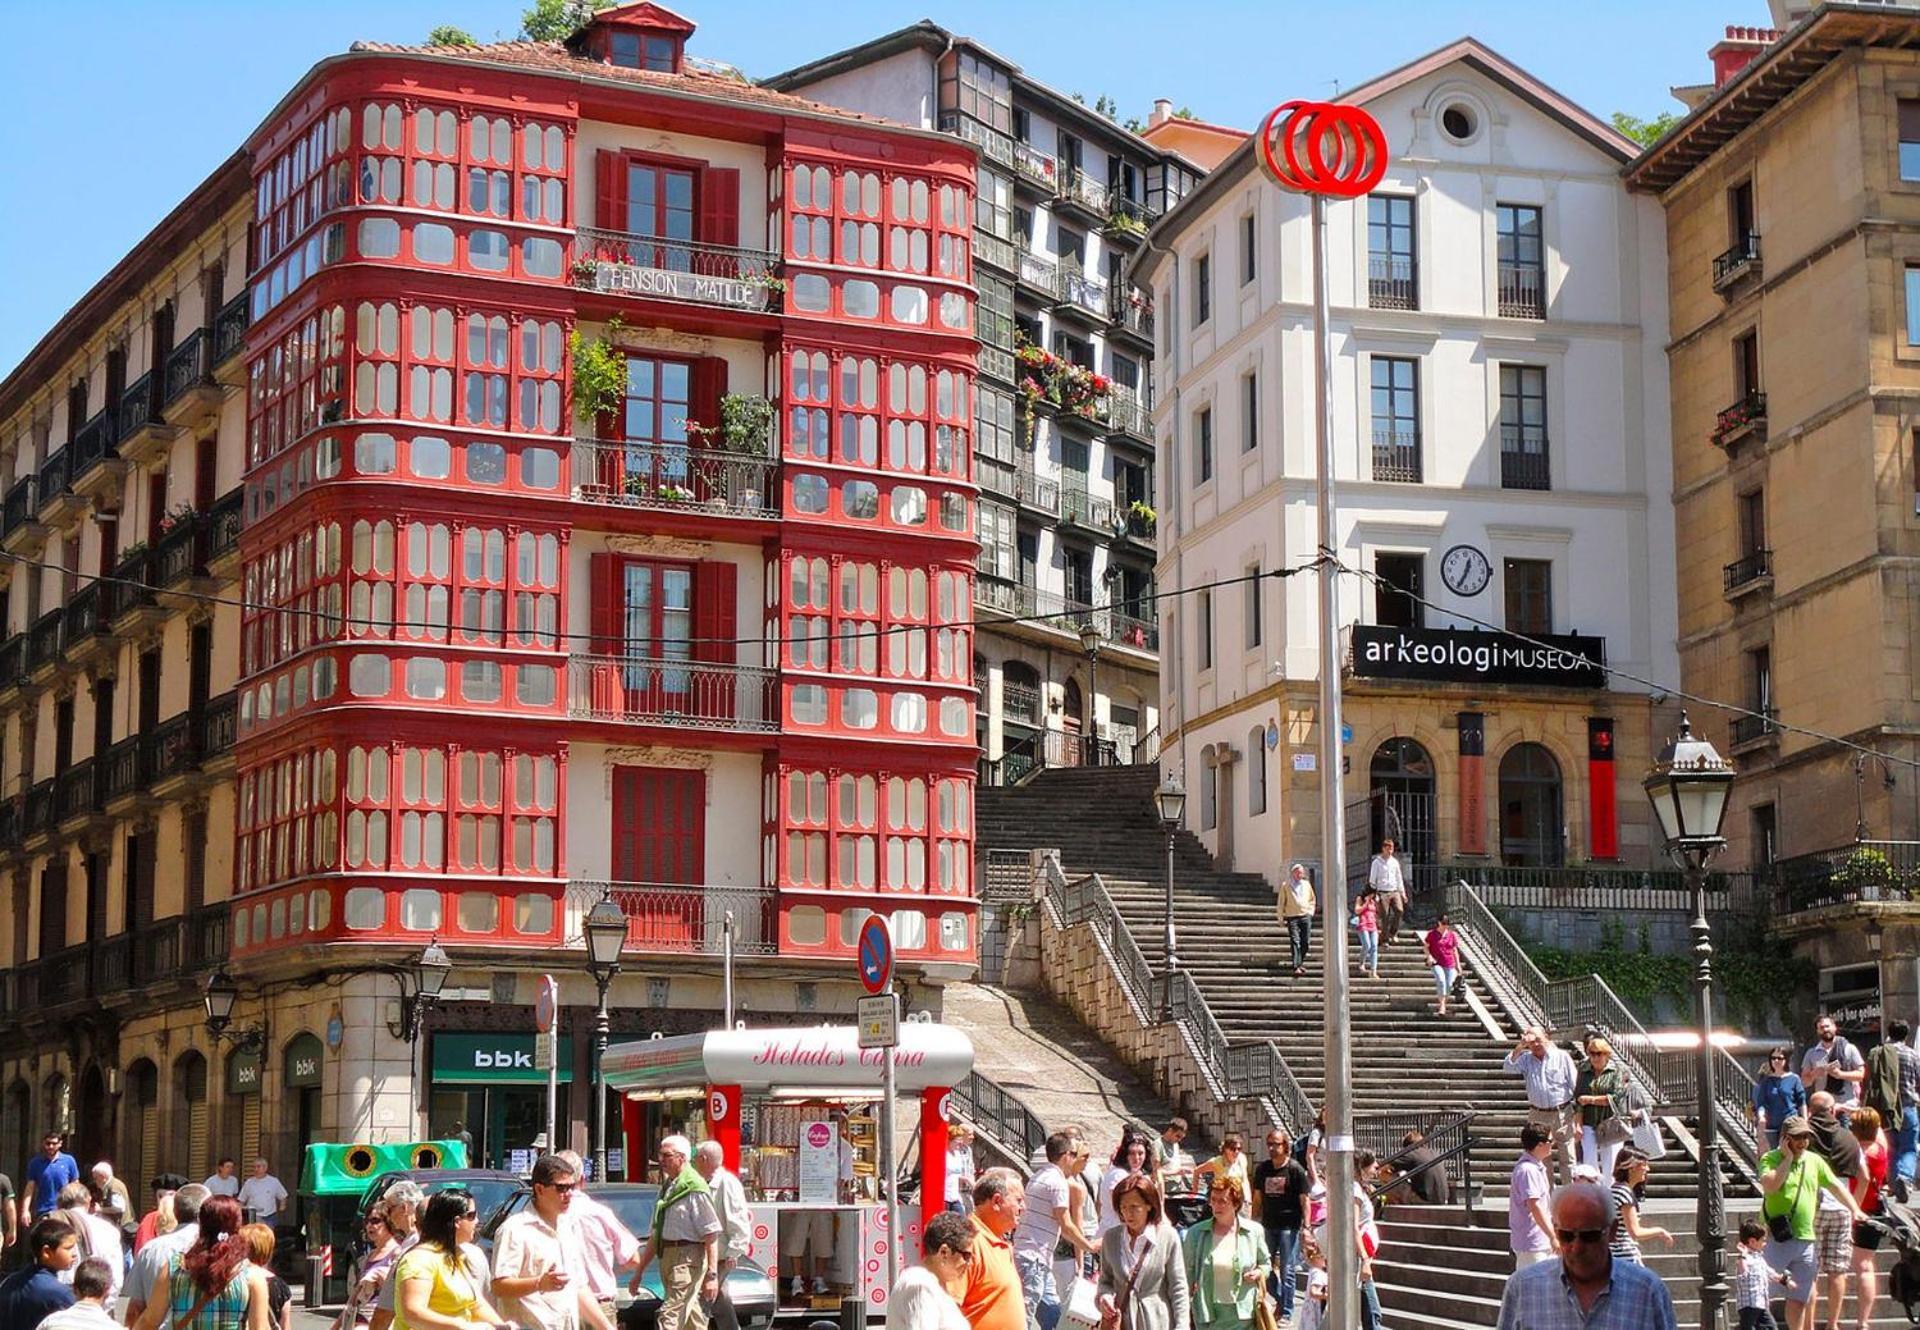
(47, 1172)
(30, 1295)
(1550, 1076)
(1586, 1289)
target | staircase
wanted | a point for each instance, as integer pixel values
(1408, 1063)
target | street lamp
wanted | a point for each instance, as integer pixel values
(1170, 800)
(1689, 787)
(429, 977)
(221, 996)
(1090, 643)
(606, 930)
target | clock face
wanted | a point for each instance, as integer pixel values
(1465, 570)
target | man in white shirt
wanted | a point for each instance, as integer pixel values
(225, 1180)
(736, 1225)
(98, 1236)
(607, 1246)
(1385, 877)
(538, 1276)
(262, 1195)
(92, 1291)
(150, 1266)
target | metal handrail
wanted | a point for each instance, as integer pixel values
(1382, 1133)
(682, 918)
(1002, 1118)
(668, 476)
(682, 693)
(1246, 1071)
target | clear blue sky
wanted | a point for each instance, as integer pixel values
(113, 109)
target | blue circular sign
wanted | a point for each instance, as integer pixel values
(876, 955)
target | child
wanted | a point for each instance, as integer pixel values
(1315, 1306)
(1750, 1278)
(1366, 917)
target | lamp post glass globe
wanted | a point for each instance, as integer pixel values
(222, 994)
(1089, 638)
(1688, 788)
(606, 930)
(432, 970)
(1170, 800)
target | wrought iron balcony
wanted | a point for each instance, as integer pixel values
(139, 406)
(218, 725)
(179, 553)
(1141, 523)
(1036, 492)
(38, 815)
(1396, 456)
(1749, 569)
(1746, 417)
(1523, 458)
(45, 640)
(1523, 291)
(175, 747)
(1755, 729)
(1084, 295)
(1131, 310)
(1740, 261)
(186, 367)
(1031, 166)
(1080, 192)
(1084, 509)
(84, 618)
(129, 766)
(56, 479)
(1127, 414)
(13, 660)
(93, 444)
(76, 793)
(682, 477)
(1393, 282)
(132, 585)
(681, 694)
(685, 920)
(224, 521)
(689, 271)
(1040, 274)
(22, 505)
(230, 329)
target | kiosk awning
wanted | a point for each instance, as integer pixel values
(820, 1057)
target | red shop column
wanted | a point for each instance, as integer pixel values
(723, 1121)
(934, 1103)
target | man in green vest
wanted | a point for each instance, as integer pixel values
(686, 1238)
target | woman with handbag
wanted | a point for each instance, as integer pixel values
(1226, 1261)
(1143, 1276)
(212, 1285)
(1600, 1093)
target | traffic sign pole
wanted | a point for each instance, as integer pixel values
(874, 959)
(892, 1173)
(546, 1010)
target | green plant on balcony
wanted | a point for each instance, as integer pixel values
(676, 493)
(1126, 224)
(637, 486)
(599, 373)
(1143, 511)
(133, 551)
(584, 271)
(1864, 875)
(746, 425)
(766, 281)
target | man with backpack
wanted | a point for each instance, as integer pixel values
(1892, 1089)
(1834, 1065)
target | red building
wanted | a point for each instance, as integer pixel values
(608, 528)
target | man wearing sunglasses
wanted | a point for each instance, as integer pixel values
(1793, 1180)
(538, 1279)
(1586, 1287)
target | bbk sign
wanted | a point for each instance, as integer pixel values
(504, 1059)
(462, 1057)
(670, 284)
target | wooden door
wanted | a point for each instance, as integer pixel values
(659, 839)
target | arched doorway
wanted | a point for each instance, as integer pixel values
(189, 1148)
(1400, 788)
(92, 1136)
(1021, 717)
(142, 1151)
(1531, 825)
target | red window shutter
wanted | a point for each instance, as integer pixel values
(715, 616)
(720, 206)
(709, 385)
(607, 596)
(609, 195)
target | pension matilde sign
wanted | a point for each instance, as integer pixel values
(675, 284)
(1450, 655)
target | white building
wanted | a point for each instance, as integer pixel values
(1500, 412)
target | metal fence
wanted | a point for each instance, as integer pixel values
(1010, 1125)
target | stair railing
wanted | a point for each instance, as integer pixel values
(996, 1114)
(1244, 1071)
(1445, 1149)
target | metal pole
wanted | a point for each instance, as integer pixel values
(1710, 1223)
(1343, 1258)
(599, 1086)
(552, 1040)
(1171, 965)
(889, 1171)
(726, 966)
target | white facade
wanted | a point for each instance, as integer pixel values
(1603, 524)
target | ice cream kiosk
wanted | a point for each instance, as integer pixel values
(796, 1112)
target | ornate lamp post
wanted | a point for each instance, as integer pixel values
(1689, 787)
(606, 930)
(1090, 643)
(1170, 800)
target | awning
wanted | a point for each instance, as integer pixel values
(823, 1057)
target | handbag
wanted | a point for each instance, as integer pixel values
(1264, 1317)
(1646, 1136)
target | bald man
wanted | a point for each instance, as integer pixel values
(1586, 1285)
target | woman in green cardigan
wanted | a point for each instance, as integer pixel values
(1226, 1261)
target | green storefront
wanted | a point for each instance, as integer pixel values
(485, 1086)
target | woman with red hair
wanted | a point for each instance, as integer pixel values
(213, 1285)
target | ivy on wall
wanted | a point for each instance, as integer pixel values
(1756, 982)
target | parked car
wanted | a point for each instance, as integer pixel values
(754, 1297)
(491, 1188)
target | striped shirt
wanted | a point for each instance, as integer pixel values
(1540, 1298)
(1623, 1246)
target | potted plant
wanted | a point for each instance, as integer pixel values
(181, 514)
(599, 373)
(673, 493)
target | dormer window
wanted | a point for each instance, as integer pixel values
(637, 50)
(635, 36)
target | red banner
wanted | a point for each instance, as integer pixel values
(1603, 816)
(1473, 796)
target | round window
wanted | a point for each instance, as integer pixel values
(1459, 121)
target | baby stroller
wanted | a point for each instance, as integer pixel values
(1901, 1220)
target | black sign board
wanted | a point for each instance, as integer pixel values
(1451, 655)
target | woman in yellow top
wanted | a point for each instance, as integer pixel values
(437, 1290)
(1231, 1162)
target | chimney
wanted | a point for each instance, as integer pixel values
(1738, 49)
(1162, 112)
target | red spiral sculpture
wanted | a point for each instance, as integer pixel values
(1323, 148)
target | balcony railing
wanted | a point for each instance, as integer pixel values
(186, 366)
(667, 476)
(219, 724)
(128, 764)
(1141, 523)
(1396, 456)
(1523, 458)
(681, 919)
(1393, 282)
(84, 617)
(1127, 414)
(689, 694)
(1042, 274)
(158, 950)
(1035, 165)
(1744, 417)
(176, 747)
(686, 270)
(56, 478)
(139, 405)
(1754, 729)
(1081, 292)
(1523, 291)
(1867, 870)
(46, 639)
(1742, 260)
(38, 816)
(1087, 510)
(230, 329)
(1748, 569)
(1036, 492)
(133, 583)
(13, 660)
(1131, 309)
(207, 937)
(1080, 190)
(224, 521)
(178, 554)
(22, 504)
(76, 793)
(995, 145)
(93, 443)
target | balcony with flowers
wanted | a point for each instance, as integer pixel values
(1054, 383)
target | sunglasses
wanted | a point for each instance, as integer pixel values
(1593, 1237)
(562, 1187)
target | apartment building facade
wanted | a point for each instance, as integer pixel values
(598, 523)
(1792, 208)
(1499, 415)
(1069, 634)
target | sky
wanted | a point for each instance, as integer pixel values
(103, 131)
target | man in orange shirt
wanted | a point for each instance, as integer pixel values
(991, 1298)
